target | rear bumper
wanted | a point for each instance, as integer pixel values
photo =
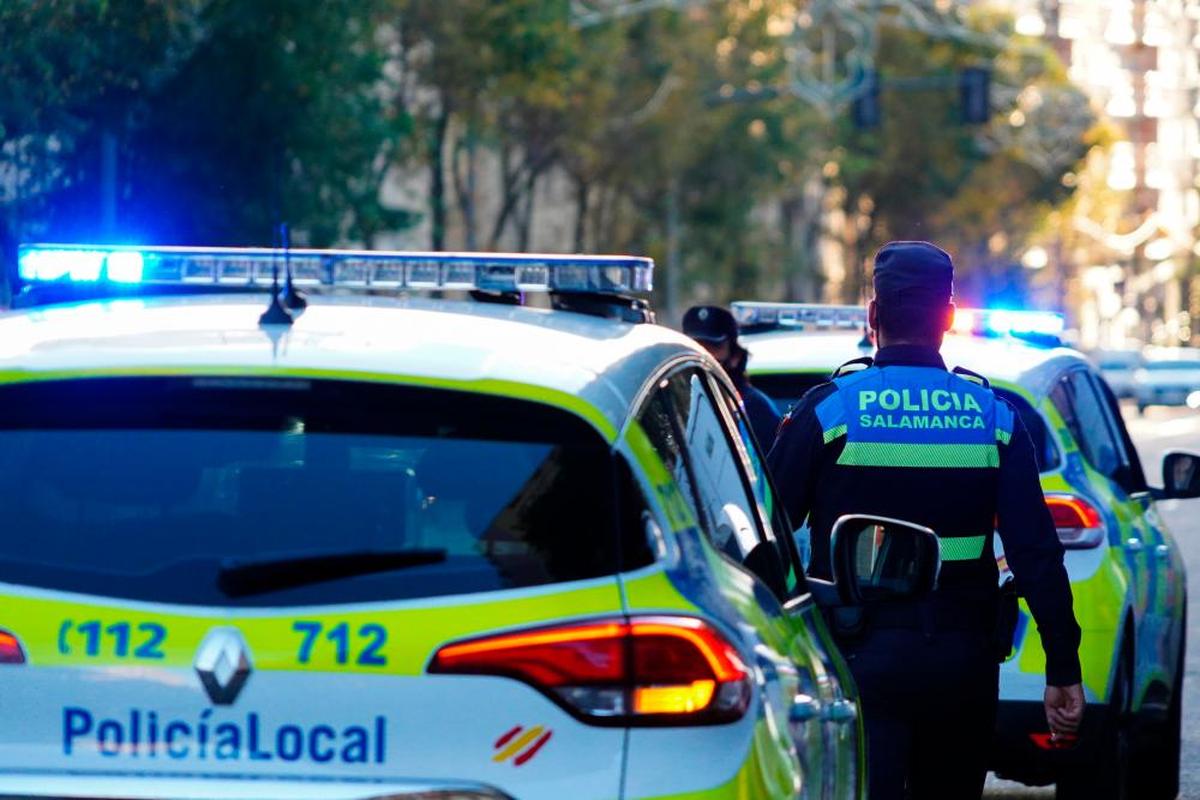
(1016, 757)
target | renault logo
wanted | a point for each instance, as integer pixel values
(223, 664)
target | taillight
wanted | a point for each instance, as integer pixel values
(1051, 741)
(10, 649)
(644, 670)
(1078, 522)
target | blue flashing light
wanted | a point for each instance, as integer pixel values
(1003, 322)
(125, 266)
(76, 266)
(340, 269)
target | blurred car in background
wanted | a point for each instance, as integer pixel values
(1119, 369)
(1170, 376)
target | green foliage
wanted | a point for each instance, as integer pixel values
(981, 191)
(228, 117)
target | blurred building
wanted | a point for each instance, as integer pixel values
(1130, 262)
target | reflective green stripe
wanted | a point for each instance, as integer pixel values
(835, 432)
(896, 454)
(1003, 437)
(962, 548)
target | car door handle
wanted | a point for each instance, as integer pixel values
(805, 707)
(840, 711)
(1162, 551)
(1134, 545)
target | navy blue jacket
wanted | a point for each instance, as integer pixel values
(762, 412)
(905, 438)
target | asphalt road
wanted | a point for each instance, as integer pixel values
(1159, 431)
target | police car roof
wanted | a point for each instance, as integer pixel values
(1002, 360)
(601, 361)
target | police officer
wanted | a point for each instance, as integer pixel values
(903, 437)
(715, 329)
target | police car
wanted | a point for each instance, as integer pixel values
(365, 542)
(1127, 575)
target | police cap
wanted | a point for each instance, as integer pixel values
(711, 324)
(913, 274)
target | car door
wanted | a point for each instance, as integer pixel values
(1164, 561)
(742, 572)
(1109, 473)
(826, 705)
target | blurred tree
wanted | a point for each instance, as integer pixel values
(678, 171)
(489, 79)
(203, 121)
(980, 192)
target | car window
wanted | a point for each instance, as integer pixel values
(1131, 477)
(687, 429)
(1045, 452)
(786, 389)
(152, 488)
(1083, 411)
(666, 437)
(773, 513)
(716, 473)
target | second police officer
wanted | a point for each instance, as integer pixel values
(715, 329)
(927, 671)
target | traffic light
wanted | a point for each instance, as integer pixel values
(974, 94)
(866, 111)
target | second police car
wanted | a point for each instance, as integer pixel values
(1127, 575)
(389, 544)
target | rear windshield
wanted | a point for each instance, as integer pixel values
(294, 492)
(786, 389)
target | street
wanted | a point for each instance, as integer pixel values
(1159, 431)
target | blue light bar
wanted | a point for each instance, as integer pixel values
(801, 316)
(1006, 322)
(98, 266)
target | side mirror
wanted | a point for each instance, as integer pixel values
(877, 558)
(1181, 475)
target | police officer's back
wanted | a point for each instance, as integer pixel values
(906, 438)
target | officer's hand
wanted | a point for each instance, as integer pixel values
(1064, 708)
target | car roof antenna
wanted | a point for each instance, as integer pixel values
(292, 299)
(276, 313)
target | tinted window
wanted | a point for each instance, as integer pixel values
(716, 474)
(755, 464)
(1085, 416)
(155, 489)
(787, 389)
(1044, 450)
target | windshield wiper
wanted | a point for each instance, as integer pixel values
(240, 579)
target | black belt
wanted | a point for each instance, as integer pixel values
(945, 617)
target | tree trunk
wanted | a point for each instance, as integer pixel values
(526, 216)
(582, 192)
(673, 262)
(466, 149)
(437, 181)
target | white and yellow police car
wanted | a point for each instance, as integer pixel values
(385, 543)
(1127, 575)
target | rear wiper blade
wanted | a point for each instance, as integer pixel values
(240, 579)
